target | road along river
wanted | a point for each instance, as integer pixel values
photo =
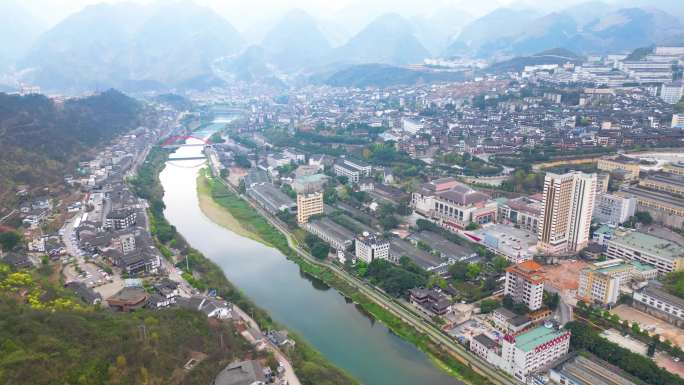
(346, 336)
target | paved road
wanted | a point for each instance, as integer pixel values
(290, 374)
(389, 304)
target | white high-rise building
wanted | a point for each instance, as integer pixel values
(568, 207)
(671, 92)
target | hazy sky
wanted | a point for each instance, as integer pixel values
(244, 13)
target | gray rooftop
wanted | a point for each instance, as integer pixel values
(400, 248)
(447, 248)
(241, 373)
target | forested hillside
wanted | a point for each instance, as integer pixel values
(47, 336)
(42, 140)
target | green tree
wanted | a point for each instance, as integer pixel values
(551, 300)
(9, 240)
(500, 264)
(473, 272)
(489, 305)
(472, 226)
(643, 217)
(459, 270)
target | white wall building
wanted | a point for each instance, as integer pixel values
(525, 284)
(370, 248)
(671, 92)
(613, 209)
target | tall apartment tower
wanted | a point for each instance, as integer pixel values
(309, 204)
(568, 207)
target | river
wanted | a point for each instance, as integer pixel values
(348, 338)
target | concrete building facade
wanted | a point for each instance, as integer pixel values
(309, 204)
(525, 284)
(566, 217)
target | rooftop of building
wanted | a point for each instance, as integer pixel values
(660, 197)
(241, 373)
(591, 370)
(604, 230)
(333, 229)
(444, 246)
(660, 247)
(272, 195)
(463, 195)
(655, 289)
(540, 335)
(400, 248)
(664, 177)
(486, 341)
(531, 270)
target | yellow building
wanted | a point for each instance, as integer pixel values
(674, 168)
(309, 204)
(629, 166)
(600, 282)
(664, 181)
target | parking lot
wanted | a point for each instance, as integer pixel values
(88, 273)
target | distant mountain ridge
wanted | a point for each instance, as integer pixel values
(131, 46)
(384, 75)
(389, 39)
(296, 41)
(577, 29)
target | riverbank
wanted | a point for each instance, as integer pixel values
(217, 214)
(250, 218)
(310, 366)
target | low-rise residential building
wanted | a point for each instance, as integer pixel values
(525, 284)
(533, 350)
(510, 323)
(370, 247)
(485, 347)
(665, 255)
(128, 298)
(654, 300)
(120, 219)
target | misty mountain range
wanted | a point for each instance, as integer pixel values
(181, 44)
